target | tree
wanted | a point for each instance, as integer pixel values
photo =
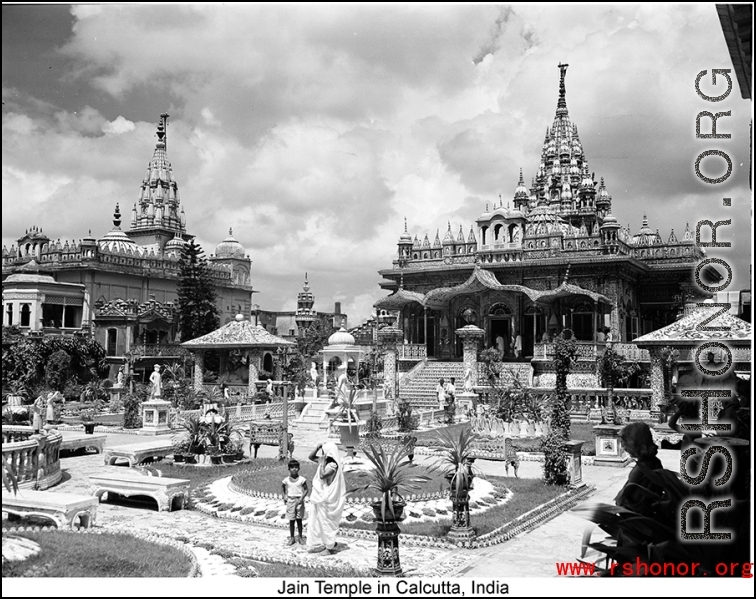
(555, 455)
(613, 370)
(197, 310)
(309, 344)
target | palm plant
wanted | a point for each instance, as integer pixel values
(391, 475)
(347, 406)
(456, 460)
(194, 432)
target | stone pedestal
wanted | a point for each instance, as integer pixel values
(389, 337)
(471, 336)
(461, 531)
(467, 401)
(609, 449)
(199, 371)
(155, 417)
(575, 464)
(388, 549)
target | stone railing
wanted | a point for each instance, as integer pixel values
(245, 412)
(35, 458)
(412, 351)
(584, 399)
(589, 351)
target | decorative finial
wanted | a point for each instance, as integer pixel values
(162, 131)
(230, 232)
(522, 181)
(405, 224)
(501, 202)
(562, 103)
(401, 280)
(117, 216)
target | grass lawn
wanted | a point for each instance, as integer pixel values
(76, 555)
(200, 475)
(529, 493)
(269, 481)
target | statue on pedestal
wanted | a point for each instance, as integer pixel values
(157, 389)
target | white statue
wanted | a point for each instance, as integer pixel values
(119, 377)
(314, 374)
(155, 382)
(467, 384)
(342, 383)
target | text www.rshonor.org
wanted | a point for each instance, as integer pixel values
(640, 568)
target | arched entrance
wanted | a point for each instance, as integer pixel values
(500, 325)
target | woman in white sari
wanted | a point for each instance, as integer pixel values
(327, 500)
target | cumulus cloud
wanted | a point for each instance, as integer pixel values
(314, 130)
(118, 126)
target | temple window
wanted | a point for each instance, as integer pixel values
(111, 343)
(25, 315)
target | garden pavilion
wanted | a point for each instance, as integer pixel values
(244, 350)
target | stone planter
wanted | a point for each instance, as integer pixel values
(228, 458)
(89, 427)
(178, 457)
(216, 459)
(190, 458)
(349, 435)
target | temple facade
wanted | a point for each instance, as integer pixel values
(121, 286)
(551, 257)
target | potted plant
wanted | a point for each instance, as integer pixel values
(180, 448)
(216, 454)
(391, 475)
(87, 416)
(456, 463)
(347, 419)
(194, 433)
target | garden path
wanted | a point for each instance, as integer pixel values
(531, 554)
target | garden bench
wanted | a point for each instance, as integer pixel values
(74, 441)
(61, 508)
(499, 450)
(136, 453)
(388, 444)
(167, 492)
(266, 433)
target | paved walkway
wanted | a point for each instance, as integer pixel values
(532, 554)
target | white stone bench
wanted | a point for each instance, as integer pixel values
(61, 508)
(74, 441)
(136, 453)
(128, 483)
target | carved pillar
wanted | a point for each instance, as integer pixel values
(657, 381)
(614, 318)
(199, 370)
(390, 337)
(252, 359)
(470, 336)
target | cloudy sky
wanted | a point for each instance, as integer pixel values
(314, 131)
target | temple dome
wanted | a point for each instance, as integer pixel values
(230, 248)
(341, 337)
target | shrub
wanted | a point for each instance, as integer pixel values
(407, 422)
(373, 426)
(58, 369)
(132, 407)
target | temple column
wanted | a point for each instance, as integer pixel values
(252, 359)
(657, 381)
(470, 336)
(199, 370)
(389, 337)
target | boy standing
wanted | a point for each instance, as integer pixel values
(294, 491)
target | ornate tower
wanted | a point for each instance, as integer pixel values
(305, 315)
(158, 216)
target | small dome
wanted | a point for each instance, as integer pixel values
(230, 248)
(117, 242)
(175, 245)
(341, 337)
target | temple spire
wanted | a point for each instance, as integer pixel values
(562, 103)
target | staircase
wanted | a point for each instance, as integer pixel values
(420, 386)
(313, 416)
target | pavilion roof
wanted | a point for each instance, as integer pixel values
(480, 280)
(687, 330)
(237, 334)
